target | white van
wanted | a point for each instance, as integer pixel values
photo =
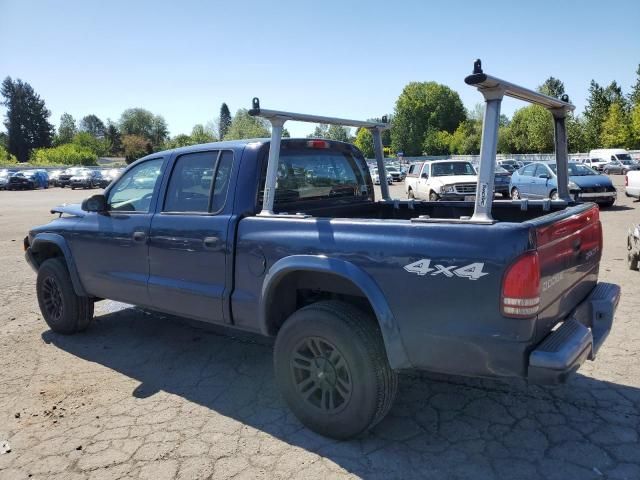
(610, 154)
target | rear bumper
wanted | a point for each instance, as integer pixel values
(577, 339)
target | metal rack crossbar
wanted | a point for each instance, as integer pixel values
(278, 118)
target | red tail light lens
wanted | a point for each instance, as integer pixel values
(521, 287)
(317, 144)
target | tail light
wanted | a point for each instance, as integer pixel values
(521, 287)
(317, 144)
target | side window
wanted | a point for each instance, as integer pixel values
(528, 170)
(134, 190)
(411, 169)
(190, 183)
(425, 169)
(541, 169)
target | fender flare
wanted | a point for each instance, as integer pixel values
(59, 241)
(394, 346)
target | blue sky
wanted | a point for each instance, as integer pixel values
(182, 59)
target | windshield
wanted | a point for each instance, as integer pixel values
(392, 169)
(443, 169)
(624, 157)
(499, 169)
(575, 170)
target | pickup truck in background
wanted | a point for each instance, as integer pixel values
(286, 239)
(441, 180)
(632, 184)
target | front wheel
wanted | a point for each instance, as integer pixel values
(410, 194)
(433, 196)
(515, 194)
(632, 261)
(332, 369)
(554, 195)
(63, 310)
(608, 203)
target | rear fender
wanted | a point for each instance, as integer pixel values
(396, 353)
(43, 242)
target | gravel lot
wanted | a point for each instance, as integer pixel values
(141, 395)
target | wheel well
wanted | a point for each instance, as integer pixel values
(302, 288)
(46, 251)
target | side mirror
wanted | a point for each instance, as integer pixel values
(424, 175)
(95, 203)
(544, 175)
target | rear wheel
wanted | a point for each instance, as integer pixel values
(332, 369)
(515, 194)
(63, 310)
(433, 196)
(410, 194)
(608, 203)
(632, 261)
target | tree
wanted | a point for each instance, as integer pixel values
(200, 134)
(595, 112)
(553, 87)
(113, 138)
(6, 158)
(66, 130)
(135, 147)
(424, 107)
(321, 131)
(143, 123)
(26, 119)
(285, 133)
(436, 142)
(244, 125)
(466, 138)
(181, 140)
(635, 126)
(87, 141)
(338, 133)
(531, 130)
(634, 95)
(93, 125)
(225, 120)
(364, 142)
(615, 128)
(575, 134)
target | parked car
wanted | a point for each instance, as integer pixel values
(632, 184)
(620, 167)
(4, 177)
(395, 173)
(443, 180)
(108, 176)
(28, 180)
(510, 168)
(538, 180)
(633, 247)
(64, 178)
(85, 179)
(343, 296)
(376, 178)
(513, 164)
(53, 177)
(596, 164)
(501, 181)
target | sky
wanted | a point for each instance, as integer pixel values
(350, 59)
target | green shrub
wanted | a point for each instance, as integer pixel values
(68, 154)
(6, 158)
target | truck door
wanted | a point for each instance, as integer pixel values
(112, 247)
(423, 183)
(188, 251)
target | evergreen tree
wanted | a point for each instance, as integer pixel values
(553, 87)
(634, 96)
(615, 128)
(113, 138)
(225, 120)
(595, 112)
(26, 119)
(93, 125)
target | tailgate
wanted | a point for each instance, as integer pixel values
(569, 247)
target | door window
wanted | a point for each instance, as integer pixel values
(540, 170)
(528, 170)
(192, 188)
(134, 190)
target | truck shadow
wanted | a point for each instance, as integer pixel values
(439, 427)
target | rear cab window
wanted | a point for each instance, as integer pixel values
(313, 174)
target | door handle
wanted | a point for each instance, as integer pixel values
(211, 242)
(139, 236)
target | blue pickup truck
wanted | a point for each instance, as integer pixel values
(285, 238)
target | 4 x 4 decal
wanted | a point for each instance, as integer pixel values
(423, 267)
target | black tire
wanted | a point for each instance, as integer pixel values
(341, 366)
(433, 196)
(515, 194)
(410, 193)
(632, 261)
(554, 193)
(63, 310)
(607, 204)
